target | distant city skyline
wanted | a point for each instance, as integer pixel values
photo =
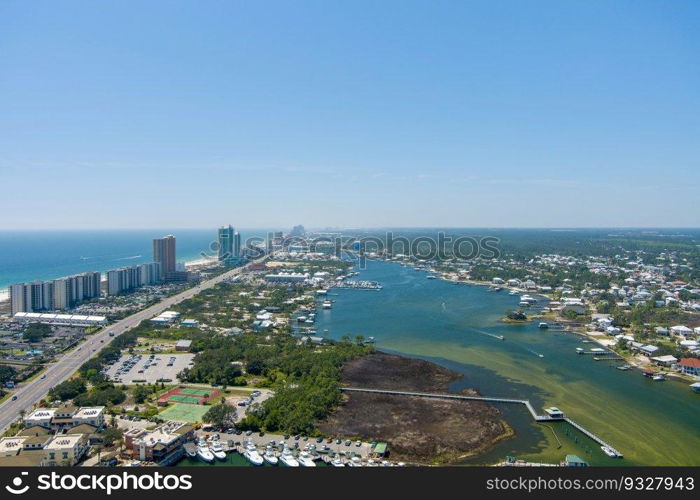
(354, 114)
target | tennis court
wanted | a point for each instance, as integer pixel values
(176, 398)
(196, 392)
(183, 412)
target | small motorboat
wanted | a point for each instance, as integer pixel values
(659, 377)
(609, 452)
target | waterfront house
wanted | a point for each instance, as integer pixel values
(689, 366)
(664, 360)
(648, 350)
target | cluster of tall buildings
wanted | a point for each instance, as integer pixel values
(52, 295)
(125, 279)
(229, 240)
(65, 293)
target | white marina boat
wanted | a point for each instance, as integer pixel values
(306, 460)
(288, 459)
(327, 304)
(337, 462)
(659, 377)
(270, 456)
(251, 454)
(609, 451)
(355, 462)
(204, 453)
(217, 450)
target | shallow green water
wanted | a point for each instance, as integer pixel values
(651, 423)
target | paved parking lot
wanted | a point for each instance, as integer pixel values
(152, 369)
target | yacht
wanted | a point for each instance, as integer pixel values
(355, 462)
(337, 462)
(191, 451)
(288, 459)
(543, 325)
(270, 457)
(431, 277)
(306, 460)
(659, 377)
(327, 304)
(204, 453)
(252, 455)
(217, 450)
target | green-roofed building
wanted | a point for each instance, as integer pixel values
(575, 461)
(380, 449)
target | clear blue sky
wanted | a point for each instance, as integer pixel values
(349, 113)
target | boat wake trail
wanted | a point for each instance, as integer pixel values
(493, 335)
(130, 258)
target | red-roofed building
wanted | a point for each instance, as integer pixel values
(689, 366)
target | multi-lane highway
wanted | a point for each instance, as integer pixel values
(30, 393)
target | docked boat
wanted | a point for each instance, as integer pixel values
(204, 453)
(355, 462)
(659, 377)
(624, 367)
(270, 456)
(579, 350)
(305, 459)
(648, 373)
(337, 462)
(695, 387)
(327, 304)
(513, 292)
(543, 325)
(288, 459)
(431, 277)
(217, 450)
(251, 454)
(609, 451)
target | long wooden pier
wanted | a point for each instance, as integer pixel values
(487, 399)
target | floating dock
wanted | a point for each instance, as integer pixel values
(538, 418)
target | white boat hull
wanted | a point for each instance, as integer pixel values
(289, 462)
(254, 459)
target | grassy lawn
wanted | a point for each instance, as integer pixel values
(184, 412)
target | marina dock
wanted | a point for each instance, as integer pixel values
(525, 402)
